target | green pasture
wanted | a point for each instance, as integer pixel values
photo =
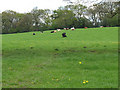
(47, 60)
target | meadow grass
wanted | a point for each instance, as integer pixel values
(0, 62)
(46, 60)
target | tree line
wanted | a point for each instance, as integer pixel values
(79, 16)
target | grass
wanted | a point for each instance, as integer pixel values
(0, 62)
(46, 60)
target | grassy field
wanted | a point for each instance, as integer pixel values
(46, 60)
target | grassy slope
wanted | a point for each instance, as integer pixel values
(32, 61)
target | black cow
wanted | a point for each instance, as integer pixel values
(33, 33)
(64, 35)
(52, 31)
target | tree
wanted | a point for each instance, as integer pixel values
(25, 23)
(102, 12)
(110, 21)
(0, 23)
(64, 19)
(9, 20)
(79, 10)
(47, 20)
(40, 18)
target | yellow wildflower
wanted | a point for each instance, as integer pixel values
(80, 62)
(83, 82)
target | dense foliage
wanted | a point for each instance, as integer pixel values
(79, 16)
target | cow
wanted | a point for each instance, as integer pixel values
(33, 33)
(64, 35)
(67, 29)
(52, 32)
(73, 28)
(55, 31)
(58, 30)
(85, 27)
(101, 26)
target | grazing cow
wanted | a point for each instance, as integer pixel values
(101, 26)
(33, 33)
(73, 28)
(64, 35)
(58, 30)
(65, 28)
(52, 32)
